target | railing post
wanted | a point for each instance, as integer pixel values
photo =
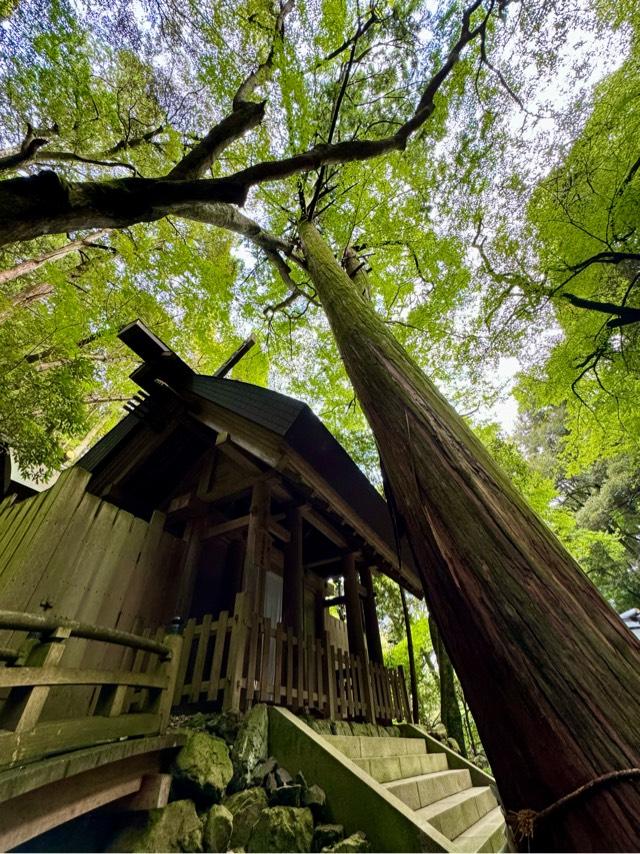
(403, 693)
(330, 671)
(23, 706)
(169, 667)
(161, 702)
(237, 648)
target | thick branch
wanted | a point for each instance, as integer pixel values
(12, 158)
(32, 293)
(601, 258)
(228, 217)
(91, 160)
(25, 267)
(245, 115)
(196, 162)
(625, 314)
(45, 204)
(263, 71)
(134, 142)
(365, 149)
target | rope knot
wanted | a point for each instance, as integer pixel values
(522, 823)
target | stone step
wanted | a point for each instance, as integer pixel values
(487, 834)
(456, 813)
(425, 789)
(361, 747)
(384, 769)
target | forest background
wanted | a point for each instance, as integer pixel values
(502, 246)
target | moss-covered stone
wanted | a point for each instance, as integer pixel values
(287, 796)
(217, 829)
(315, 798)
(356, 842)
(245, 807)
(251, 745)
(225, 725)
(439, 731)
(326, 835)
(175, 827)
(322, 726)
(282, 829)
(365, 729)
(203, 767)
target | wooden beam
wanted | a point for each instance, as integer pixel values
(242, 522)
(225, 527)
(153, 794)
(301, 469)
(335, 600)
(325, 527)
(33, 813)
(217, 493)
(235, 357)
(189, 567)
(233, 452)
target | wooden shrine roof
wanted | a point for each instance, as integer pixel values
(290, 422)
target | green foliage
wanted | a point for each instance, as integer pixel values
(468, 234)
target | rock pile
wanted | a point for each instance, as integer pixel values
(228, 794)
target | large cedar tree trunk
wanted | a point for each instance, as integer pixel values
(550, 672)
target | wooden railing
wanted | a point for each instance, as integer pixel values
(242, 659)
(36, 669)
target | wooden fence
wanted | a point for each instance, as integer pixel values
(242, 659)
(132, 702)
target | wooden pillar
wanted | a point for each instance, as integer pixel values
(319, 612)
(371, 626)
(355, 627)
(189, 568)
(293, 580)
(234, 570)
(415, 699)
(258, 554)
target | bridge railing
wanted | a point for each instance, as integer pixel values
(37, 667)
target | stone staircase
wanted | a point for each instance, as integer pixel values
(441, 797)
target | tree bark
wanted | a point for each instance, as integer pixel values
(46, 204)
(449, 708)
(550, 672)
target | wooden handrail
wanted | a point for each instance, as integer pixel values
(18, 621)
(28, 677)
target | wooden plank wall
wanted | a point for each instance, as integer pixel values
(88, 560)
(337, 631)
